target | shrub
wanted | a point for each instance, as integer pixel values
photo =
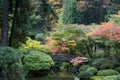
(115, 18)
(32, 45)
(10, 62)
(108, 31)
(108, 72)
(84, 67)
(37, 61)
(102, 63)
(8, 55)
(85, 74)
(40, 37)
(92, 69)
(115, 77)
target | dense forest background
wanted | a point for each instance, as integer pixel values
(38, 17)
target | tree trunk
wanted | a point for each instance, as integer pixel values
(13, 23)
(4, 29)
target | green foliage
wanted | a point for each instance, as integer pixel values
(92, 69)
(115, 62)
(115, 18)
(20, 19)
(11, 64)
(47, 13)
(71, 35)
(84, 67)
(37, 61)
(102, 63)
(117, 69)
(67, 32)
(42, 20)
(115, 77)
(113, 8)
(108, 72)
(18, 68)
(100, 9)
(96, 8)
(32, 45)
(75, 39)
(8, 55)
(97, 77)
(85, 74)
(70, 13)
(40, 37)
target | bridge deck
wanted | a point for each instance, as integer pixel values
(62, 57)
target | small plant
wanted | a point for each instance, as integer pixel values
(92, 69)
(84, 67)
(108, 72)
(85, 74)
(115, 77)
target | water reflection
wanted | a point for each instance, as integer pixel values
(50, 78)
(54, 76)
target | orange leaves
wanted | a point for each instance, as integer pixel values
(50, 44)
(114, 34)
(107, 24)
(55, 46)
(101, 31)
(107, 30)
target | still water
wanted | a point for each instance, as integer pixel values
(54, 76)
(49, 78)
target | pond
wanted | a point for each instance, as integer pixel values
(54, 76)
(50, 78)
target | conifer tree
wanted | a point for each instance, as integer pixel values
(70, 14)
(19, 22)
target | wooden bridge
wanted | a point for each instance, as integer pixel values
(58, 58)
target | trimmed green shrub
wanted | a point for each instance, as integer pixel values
(115, 77)
(10, 64)
(37, 61)
(102, 63)
(8, 55)
(85, 74)
(108, 72)
(84, 67)
(92, 69)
